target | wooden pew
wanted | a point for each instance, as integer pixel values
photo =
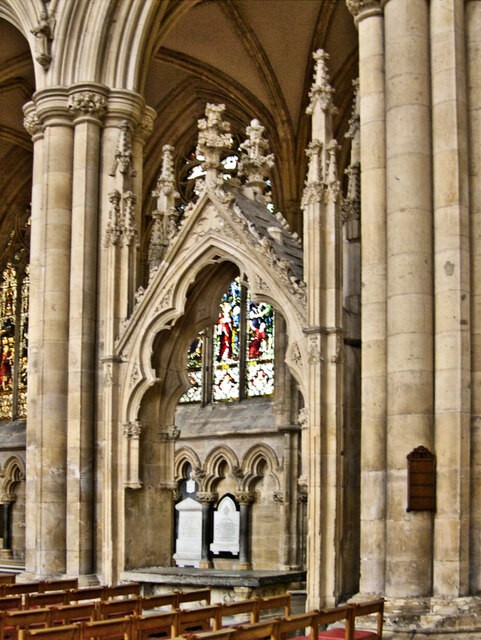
(298, 623)
(13, 623)
(361, 609)
(67, 632)
(21, 588)
(266, 630)
(115, 629)
(229, 609)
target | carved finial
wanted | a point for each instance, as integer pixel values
(165, 216)
(129, 225)
(315, 185)
(321, 90)
(214, 137)
(255, 162)
(44, 35)
(332, 178)
(166, 181)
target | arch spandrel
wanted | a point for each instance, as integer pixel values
(215, 230)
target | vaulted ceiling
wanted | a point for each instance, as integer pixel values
(255, 56)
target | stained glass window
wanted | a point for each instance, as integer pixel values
(240, 360)
(14, 287)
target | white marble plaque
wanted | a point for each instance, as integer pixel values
(188, 546)
(226, 527)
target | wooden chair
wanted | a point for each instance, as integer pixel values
(128, 589)
(58, 585)
(89, 593)
(10, 602)
(230, 609)
(365, 609)
(13, 623)
(156, 625)
(33, 600)
(221, 634)
(295, 626)
(21, 588)
(8, 578)
(273, 603)
(331, 616)
(202, 619)
(116, 629)
(67, 632)
(119, 608)
(71, 613)
(160, 600)
(195, 596)
(266, 630)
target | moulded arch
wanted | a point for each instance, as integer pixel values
(183, 456)
(165, 299)
(13, 472)
(214, 461)
(259, 453)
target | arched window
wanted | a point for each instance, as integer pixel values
(234, 359)
(14, 290)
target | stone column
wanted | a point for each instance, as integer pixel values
(87, 103)
(370, 23)
(245, 499)
(47, 427)
(410, 288)
(115, 176)
(473, 52)
(37, 234)
(324, 334)
(452, 298)
(207, 499)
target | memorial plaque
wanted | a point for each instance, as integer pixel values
(226, 528)
(188, 546)
(421, 480)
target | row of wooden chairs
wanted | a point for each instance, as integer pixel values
(43, 586)
(14, 623)
(164, 625)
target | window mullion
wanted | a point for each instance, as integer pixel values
(243, 343)
(208, 366)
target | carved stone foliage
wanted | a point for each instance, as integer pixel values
(43, 33)
(32, 124)
(132, 429)
(245, 497)
(123, 161)
(359, 7)
(207, 497)
(214, 135)
(168, 436)
(87, 103)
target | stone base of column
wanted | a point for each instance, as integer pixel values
(5, 554)
(87, 580)
(205, 564)
(428, 618)
(245, 566)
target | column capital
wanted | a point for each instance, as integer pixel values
(87, 101)
(146, 124)
(244, 497)
(207, 497)
(124, 105)
(31, 121)
(361, 9)
(52, 107)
